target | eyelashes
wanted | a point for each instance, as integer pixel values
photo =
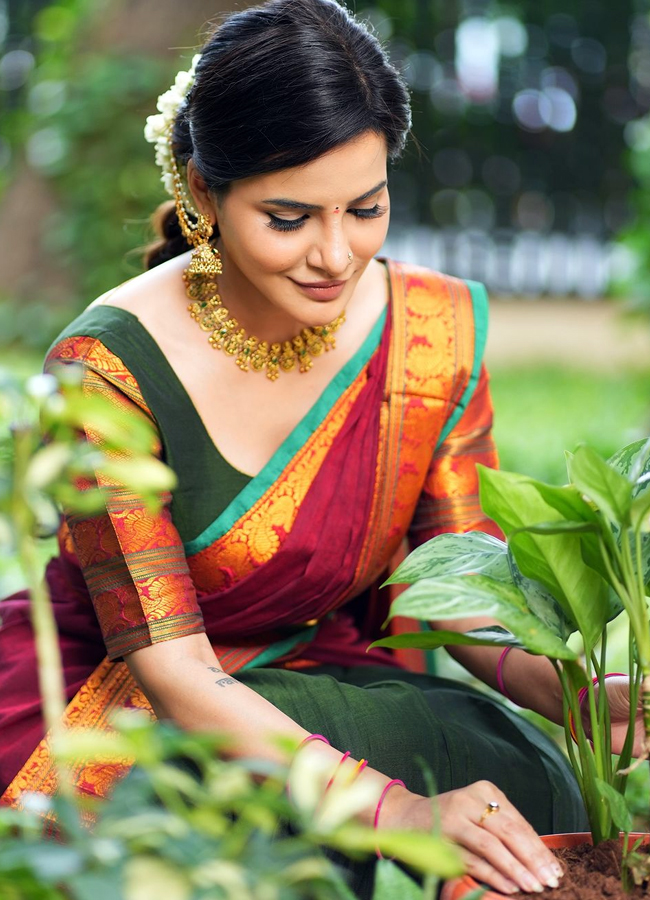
(279, 224)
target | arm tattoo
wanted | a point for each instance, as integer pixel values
(222, 682)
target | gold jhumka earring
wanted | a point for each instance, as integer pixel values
(206, 307)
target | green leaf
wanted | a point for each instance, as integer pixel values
(617, 805)
(431, 640)
(632, 461)
(392, 882)
(560, 527)
(454, 554)
(576, 673)
(105, 884)
(47, 860)
(540, 601)
(567, 501)
(149, 878)
(602, 484)
(570, 504)
(478, 595)
(89, 501)
(640, 512)
(517, 501)
(47, 465)
(423, 851)
(141, 474)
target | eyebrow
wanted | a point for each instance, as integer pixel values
(296, 204)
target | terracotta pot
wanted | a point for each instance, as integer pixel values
(460, 887)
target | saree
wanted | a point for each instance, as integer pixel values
(280, 570)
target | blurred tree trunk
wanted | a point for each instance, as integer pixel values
(158, 28)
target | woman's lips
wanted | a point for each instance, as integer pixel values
(321, 290)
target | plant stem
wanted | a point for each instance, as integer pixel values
(598, 815)
(642, 636)
(594, 721)
(604, 718)
(567, 732)
(50, 669)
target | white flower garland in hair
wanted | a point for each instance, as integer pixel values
(158, 128)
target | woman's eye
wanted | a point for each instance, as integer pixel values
(372, 213)
(285, 224)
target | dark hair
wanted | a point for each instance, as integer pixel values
(278, 86)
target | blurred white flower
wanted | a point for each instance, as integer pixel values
(327, 808)
(34, 802)
(308, 777)
(41, 386)
(342, 802)
(224, 874)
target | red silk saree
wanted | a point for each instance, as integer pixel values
(280, 570)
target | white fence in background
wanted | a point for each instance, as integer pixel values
(525, 263)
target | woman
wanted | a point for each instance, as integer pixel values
(295, 489)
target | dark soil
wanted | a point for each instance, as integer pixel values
(591, 873)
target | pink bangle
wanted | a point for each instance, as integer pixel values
(582, 693)
(379, 805)
(336, 770)
(314, 737)
(359, 769)
(500, 682)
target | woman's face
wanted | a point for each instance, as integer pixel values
(285, 233)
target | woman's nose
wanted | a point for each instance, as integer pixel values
(331, 253)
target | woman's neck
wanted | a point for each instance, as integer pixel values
(254, 312)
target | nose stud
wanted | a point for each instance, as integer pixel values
(350, 257)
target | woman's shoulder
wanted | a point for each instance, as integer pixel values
(119, 316)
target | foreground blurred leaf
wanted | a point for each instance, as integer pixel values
(417, 848)
(391, 883)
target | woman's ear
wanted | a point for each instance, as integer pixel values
(203, 200)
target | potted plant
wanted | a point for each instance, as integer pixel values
(575, 558)
(204, 828)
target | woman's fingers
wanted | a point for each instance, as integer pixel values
(501, 840)
(482, 871)
(618, 695)
(522, 856)
(521, 839)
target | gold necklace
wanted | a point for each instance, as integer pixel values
(249, 352)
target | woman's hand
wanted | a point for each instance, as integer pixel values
(502, 850)
(618, 694)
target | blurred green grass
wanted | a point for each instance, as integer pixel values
(541, 411)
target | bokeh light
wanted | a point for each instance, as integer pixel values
(15, 68)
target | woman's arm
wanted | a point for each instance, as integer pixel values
(530, 680)
(184, 682)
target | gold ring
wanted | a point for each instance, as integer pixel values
(492, 808)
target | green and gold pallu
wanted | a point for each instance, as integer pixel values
(264, 565)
